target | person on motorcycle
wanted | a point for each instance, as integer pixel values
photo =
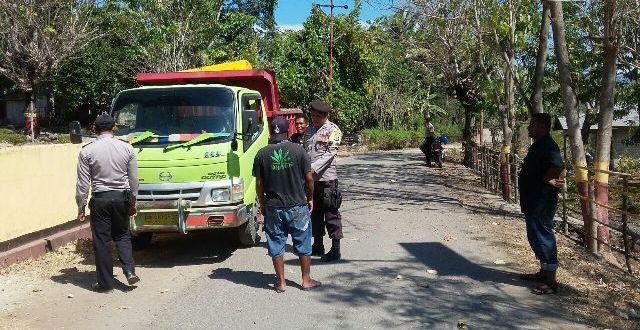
(430, 136)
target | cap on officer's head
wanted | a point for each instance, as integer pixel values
(320, 106)
(279, 129)
(104, 122)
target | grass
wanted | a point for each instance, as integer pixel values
(18, 138)
(9, 136)
(63, 138)
(392, 139)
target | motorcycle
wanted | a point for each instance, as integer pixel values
(438, 153)
(437, 149)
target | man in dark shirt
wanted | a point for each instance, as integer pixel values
(302, 122)
(538, 183)
(284, 185)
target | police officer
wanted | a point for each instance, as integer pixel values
(109, 165)
(321, 141)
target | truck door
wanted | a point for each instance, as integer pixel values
(251, 124)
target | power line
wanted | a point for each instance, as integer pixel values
(332, 6)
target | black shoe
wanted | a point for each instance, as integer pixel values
(132, 278)
(317, 250)
(332, 255)
(99, 288)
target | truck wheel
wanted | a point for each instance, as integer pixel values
(141, 240)
(248, 231)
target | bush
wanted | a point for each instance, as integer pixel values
(629, 165)
(9, 136)
(450, 130)
(392, 139)
(63, 138)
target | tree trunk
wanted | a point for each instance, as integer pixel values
(508, 111)
(570, 107)
(605, 119)
(541, 59)
(507, 133)
(467, 134)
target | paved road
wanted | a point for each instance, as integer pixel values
(401, 224)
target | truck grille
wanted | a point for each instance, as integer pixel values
(192, 194)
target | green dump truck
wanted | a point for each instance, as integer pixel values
(196, 134)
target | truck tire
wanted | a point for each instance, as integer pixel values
(141, 240)
(248, 231)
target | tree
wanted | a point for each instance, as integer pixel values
(537, 104)
(611, 43)
(175, 35)
(36, 36)
(447, 46)
(570, 106)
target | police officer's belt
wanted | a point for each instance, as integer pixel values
(113, 194)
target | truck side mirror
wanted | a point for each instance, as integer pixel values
(75, 132)
(234, 143)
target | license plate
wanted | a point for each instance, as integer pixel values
(155, 219)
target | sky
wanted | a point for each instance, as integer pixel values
(290, 14)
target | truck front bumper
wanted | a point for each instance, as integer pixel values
(181, 216)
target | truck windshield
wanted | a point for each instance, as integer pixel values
(175, 115)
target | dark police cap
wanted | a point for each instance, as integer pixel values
(104, 120)
(320, 106)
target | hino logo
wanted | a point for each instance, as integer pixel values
(165, 176)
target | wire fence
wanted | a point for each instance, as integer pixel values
(577, 215)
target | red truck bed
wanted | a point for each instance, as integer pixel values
(262, 81)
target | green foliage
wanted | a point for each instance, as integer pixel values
(9, 136)
(147, 35)
(63, 138)
(374, 83)
(629, 165)
(392, 139)
(450, 130)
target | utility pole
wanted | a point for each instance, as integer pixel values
(332, 7)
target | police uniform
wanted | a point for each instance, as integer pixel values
(109, 166)
(322, 143)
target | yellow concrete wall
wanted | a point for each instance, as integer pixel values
(37, 188)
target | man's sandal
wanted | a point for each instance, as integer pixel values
(543, 289)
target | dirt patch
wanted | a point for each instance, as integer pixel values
(599, 293)
(74, 254)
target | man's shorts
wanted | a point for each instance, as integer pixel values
(282, 221)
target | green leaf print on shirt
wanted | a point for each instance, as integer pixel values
(280, 160)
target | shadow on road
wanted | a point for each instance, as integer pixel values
(85, 279)
(196, 248)
(398, 175)
(447, 262)
(453, 296)
(166, 251)
(252, 279)
(405, 179)
(462, 291)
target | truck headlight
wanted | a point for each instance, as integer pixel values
(220, 195)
